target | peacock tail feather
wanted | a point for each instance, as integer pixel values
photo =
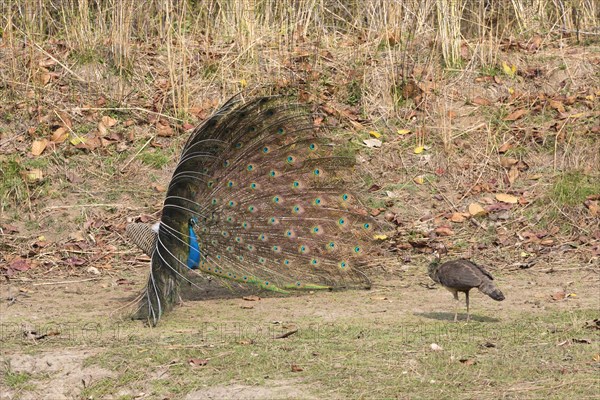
(259, 197)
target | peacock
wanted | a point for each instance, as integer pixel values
(261, 196)
(461, 276)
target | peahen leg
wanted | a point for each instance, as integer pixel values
(456, 305)
(467, 300)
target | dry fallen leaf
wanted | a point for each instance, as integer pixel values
(515, 115)
(38, 146)
(187, 126)
(43, 78)
(513, 174)
(507, 198)
(75, 140)
(475, 209)
(296, 368)
(559, 295)
(372, 143)
(458, 217)
(164, 130)
(504, 148)
(159, 188)
(510, 70)
(557, 105)
(444, 231)
(593, 207)
(102, 129)
(33, 175)
(508, 162)
(77, 236)
(108, 121)
(481, 101)
(60, 135)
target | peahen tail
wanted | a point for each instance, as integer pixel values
(260, 196)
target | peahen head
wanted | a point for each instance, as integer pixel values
(433, 266)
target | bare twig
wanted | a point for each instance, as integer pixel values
(65, 282)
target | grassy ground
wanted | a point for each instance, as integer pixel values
(375, 344)
(495, 106)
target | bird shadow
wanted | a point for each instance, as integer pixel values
(203, 289)
(447, 316)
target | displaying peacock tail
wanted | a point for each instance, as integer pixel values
(260, 196)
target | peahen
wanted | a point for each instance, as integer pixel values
(461, 276)
(260, 196)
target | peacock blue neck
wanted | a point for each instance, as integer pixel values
(193, 261)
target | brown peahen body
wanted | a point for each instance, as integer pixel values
(462, 276)
(260, 196)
